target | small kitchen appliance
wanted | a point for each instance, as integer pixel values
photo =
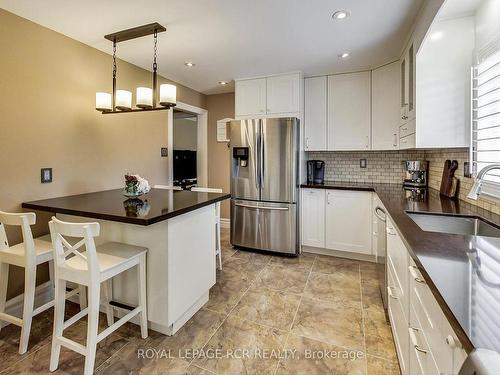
(416, 173)
(316, 172)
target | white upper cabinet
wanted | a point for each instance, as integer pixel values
(250, 97)
(385, 107)
(444, 84)
(278, 95)
(349, 111)
(313, 217)
(283, 94)
(315, 114)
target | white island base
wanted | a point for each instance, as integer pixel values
(180, 265)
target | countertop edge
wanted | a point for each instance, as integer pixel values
(121, 219)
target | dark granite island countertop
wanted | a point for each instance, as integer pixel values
(112, 205)
(462, 271)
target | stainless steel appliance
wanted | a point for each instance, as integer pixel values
(315, 172)
(416, 173)
(381, 253)
(264, 184)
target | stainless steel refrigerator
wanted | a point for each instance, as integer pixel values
(264, 184)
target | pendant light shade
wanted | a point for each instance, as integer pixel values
(144, 97)
(103, 101)
(123, 100)
(168, 94)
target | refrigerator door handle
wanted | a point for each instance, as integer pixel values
(262, 153)
(257, 160)
(261, 207)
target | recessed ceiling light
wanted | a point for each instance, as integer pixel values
(437, 35)
(189, 64)
(222, 83)
(345, 55)
(340, 15)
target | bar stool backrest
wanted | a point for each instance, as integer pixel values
(24, 220)
(64, 250)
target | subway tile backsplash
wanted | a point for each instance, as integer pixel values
(387, 167)
(381, 166)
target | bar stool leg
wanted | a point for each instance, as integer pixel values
(4, 279)
(29, 301)
(93, 322)
(108, 296)
(82, 296)
(59, 302)
(142, 296)
(219, 247)
(52, 279)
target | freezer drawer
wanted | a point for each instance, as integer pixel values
(264, 226)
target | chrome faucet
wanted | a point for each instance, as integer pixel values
(475, 192)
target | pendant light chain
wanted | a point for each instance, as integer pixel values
(155, 64)
(114, 59)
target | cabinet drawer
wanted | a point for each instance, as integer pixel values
(407, 129)
(421, 358)
(399, 326)
(397, 262)
(433, 323)
(408, 142)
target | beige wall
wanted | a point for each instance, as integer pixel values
(185, 134)
(47, 119)
(219, 106)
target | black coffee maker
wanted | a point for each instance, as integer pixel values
(315, 172)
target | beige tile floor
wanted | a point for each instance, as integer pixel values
(266, 315)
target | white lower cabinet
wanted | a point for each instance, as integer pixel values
(313, 217)
(338, 220)
(425, 341)
(349, 221)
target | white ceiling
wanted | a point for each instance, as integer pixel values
(228, 39)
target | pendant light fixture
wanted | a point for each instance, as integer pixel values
(120, 101)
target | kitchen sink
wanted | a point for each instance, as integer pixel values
(453, 224)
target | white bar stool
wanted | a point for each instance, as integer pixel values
(28, 254)
(167, 187)
(91, 267)
(218, 247)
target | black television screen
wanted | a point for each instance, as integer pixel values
(184, 165)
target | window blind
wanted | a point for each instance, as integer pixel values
(485, 142)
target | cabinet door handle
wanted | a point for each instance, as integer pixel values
(390, 232)
(413, 339)
(416, 277)
(307, 142)
(452, 343)
(390, 293)
(367, 141)
(395, 144)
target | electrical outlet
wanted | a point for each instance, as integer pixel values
(467, 171)
(362, 163)
(46, 175)
(164, 152)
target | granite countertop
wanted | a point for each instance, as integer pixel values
(462, 271)
(112, 205)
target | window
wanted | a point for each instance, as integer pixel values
(485, 145)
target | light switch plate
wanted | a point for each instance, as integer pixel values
(164, 152)
(362, 163)
(46, 175)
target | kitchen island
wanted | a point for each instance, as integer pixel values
(177, 227)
